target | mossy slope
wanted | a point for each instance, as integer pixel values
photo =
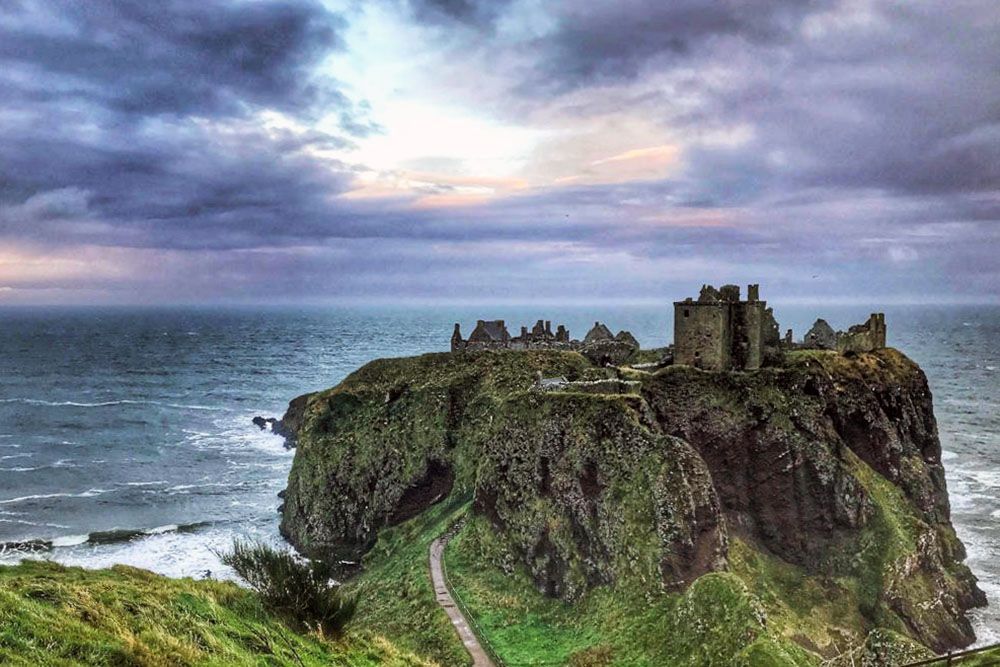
(396, 435)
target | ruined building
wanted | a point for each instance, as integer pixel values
(493, 335)
(821, 336)
(720, 331)
(863, 337)
(600, 345)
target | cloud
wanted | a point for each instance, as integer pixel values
(135, 124)
(476, 13)
(203, 150)
(598, 42)
(177, 57)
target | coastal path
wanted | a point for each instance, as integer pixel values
(479, 656)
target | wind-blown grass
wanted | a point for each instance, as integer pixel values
(58, 616)
(299, 590)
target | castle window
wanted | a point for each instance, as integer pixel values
(687, 313)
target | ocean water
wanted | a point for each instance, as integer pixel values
(125, 434)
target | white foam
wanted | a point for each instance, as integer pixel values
(167, 552)
(89, 493)
(22, 522)
(16, 456)
(206, 485)
(947, 455)
(169, 528)
(70, 540)
(107, 404)
(986, 634)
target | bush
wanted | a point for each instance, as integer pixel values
(297, 589)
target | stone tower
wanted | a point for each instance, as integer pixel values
(721, 332)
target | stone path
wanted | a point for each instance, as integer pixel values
(479, 657)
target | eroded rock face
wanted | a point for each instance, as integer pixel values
(830, 463)
(814, 459)
(773, 458)
(288, 426)
(587, 494)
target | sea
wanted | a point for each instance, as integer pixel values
(126, 434)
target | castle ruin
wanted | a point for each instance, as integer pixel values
(720, 331)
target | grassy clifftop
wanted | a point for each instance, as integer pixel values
(810, 492)
(396, 435)
(59, 616)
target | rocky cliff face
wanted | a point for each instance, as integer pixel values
(828, 463)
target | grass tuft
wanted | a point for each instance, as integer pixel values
(301, 591)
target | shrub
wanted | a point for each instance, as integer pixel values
(298, 589)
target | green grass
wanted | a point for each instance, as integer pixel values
(56, 616)
(715, 622)
(822, 610)
(984, 659)
(395, 592)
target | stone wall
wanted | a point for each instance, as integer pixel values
(865, 337)
(702, 334)
(820, 336)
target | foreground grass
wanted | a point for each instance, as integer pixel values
(59, 616)
(397, 598)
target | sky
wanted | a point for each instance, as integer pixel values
(286, 151)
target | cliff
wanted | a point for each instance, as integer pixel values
(821, 475)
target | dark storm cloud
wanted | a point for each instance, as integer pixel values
(902, 96)
(610, 41)
(129, 123)
(175, 56)
(474, 13)
(909, 102)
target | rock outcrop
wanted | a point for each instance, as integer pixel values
(829, 464)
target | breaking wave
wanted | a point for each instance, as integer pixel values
(89, 493)
(107, 404)
(98, 537)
